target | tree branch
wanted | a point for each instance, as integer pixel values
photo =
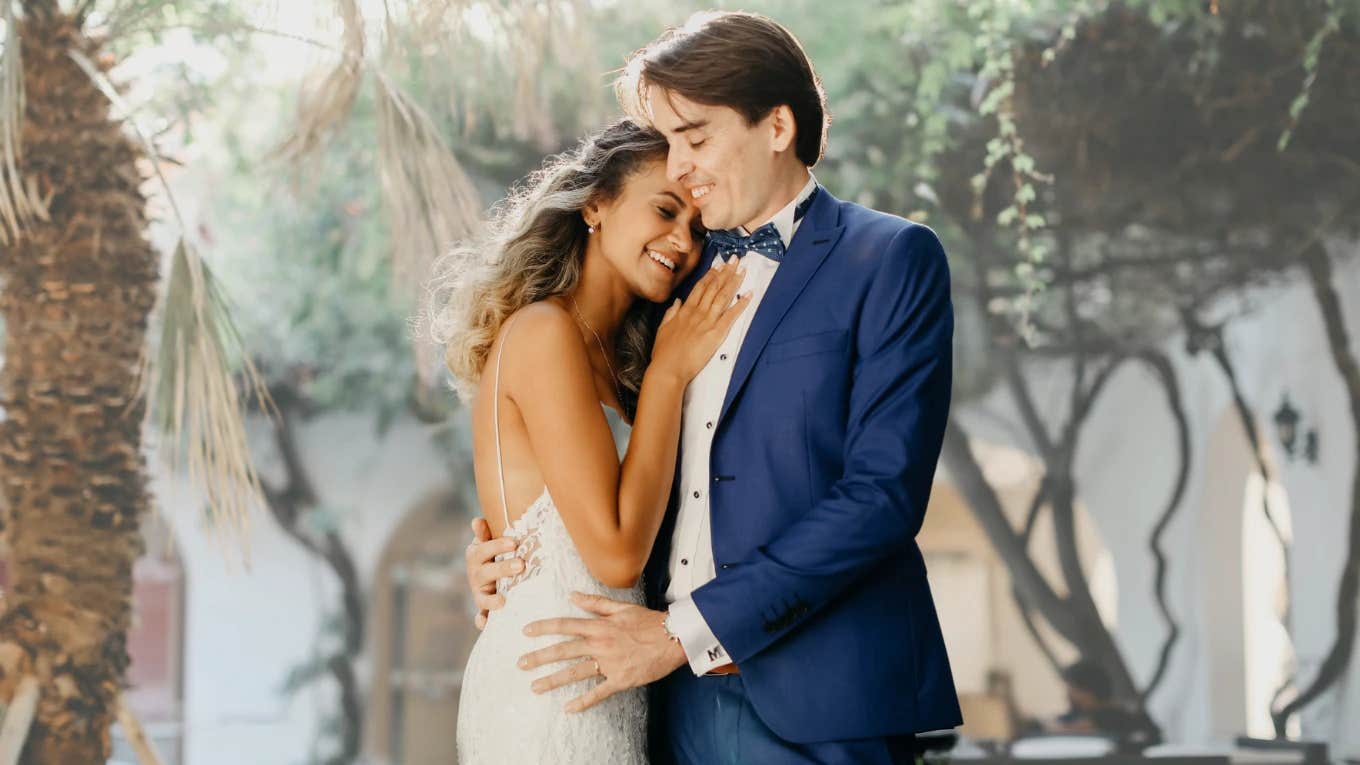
(1166, 373)
(1319, 270)
(287, 504)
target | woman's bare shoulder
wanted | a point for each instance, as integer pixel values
(542, 337)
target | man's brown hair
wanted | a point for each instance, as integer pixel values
(743, 61)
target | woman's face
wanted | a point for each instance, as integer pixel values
(650, 233)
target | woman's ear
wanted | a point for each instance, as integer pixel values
(591, 213)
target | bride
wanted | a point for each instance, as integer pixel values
(551, 332)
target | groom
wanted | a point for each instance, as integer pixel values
(793, 620)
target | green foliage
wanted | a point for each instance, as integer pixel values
(1311, 55)
(307, 258)
(922, 93)
(311, 257)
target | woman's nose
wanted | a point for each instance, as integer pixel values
(682, 239)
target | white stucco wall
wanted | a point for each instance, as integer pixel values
(1125, 469)
(245, 630)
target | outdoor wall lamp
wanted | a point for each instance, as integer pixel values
(1287, 425)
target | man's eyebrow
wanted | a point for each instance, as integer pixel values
(695, 125)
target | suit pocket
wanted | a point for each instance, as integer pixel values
(806, 345)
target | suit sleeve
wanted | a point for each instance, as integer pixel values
(899, 405)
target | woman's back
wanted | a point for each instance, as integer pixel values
(504, 463)
(500, 719)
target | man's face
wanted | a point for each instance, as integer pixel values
(725, 164)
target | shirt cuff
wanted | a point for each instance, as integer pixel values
(700, 644)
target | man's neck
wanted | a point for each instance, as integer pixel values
(785, 189)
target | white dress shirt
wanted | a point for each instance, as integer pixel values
(691, 559)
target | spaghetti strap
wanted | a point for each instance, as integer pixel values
(496, 418)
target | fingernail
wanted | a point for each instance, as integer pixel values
(523, 663)
(528, 630)
(536, 688)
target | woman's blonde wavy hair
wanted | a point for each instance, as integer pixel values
(533, 248)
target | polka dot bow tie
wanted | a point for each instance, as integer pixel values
(764, 240)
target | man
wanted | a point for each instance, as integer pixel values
(786, 575)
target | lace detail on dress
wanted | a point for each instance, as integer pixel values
(528, 530)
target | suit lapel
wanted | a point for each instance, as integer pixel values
(814, 240)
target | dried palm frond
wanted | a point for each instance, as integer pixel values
(532, 120)
(190, 387)
(429, 199)
(324, 105)
(432, 22)
(195, 399)
(20, 202)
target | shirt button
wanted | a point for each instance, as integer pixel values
(722, 357)
(696, 495)
(709, 424)
(684, 561)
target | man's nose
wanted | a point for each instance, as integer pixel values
(677, 165)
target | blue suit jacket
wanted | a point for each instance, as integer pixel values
(821, 468)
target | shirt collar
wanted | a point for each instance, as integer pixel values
(783, 220)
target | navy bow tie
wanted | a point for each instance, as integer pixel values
(764, 240)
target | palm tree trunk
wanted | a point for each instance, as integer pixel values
(78, 290)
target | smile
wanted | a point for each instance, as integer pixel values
(699, 192)
(662, 259)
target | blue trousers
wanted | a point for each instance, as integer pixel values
(709, 721)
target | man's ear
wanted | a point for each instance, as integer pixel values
(783, 128)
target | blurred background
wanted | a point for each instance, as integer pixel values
(1144, 537)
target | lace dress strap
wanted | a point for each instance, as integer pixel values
(496, 418)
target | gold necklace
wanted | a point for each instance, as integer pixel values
(613, 377)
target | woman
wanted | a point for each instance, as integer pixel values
(552, 345)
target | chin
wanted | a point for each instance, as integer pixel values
(659, 294)
(713, 221)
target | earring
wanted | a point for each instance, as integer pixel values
(590, 229)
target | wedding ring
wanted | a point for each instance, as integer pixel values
(596, 662)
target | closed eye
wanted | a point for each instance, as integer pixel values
(698, 143)
(666, 213)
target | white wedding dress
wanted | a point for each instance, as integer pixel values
(500, 720)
